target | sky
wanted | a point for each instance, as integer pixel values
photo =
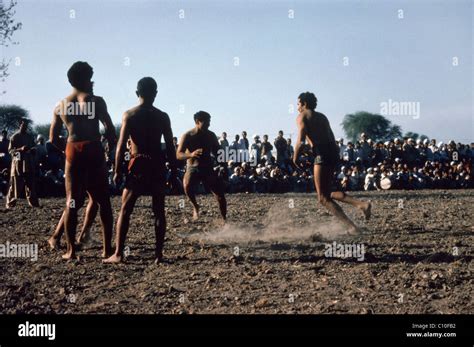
(246, 62)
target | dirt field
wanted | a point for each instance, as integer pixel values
(269, 258)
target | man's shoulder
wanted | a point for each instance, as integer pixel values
(212, 134)
(190, 132)
(160, 112)
(97, 98)
(15, 135)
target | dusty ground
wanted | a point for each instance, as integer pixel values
(270, 258)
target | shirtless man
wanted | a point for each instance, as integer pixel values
(314, 126)
(196, 146)
(144, 125)
(85, 169)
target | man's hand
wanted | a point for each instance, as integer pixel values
(23, 148)
(197, 153)
(296, 164)
(117, 178)
(296, 161)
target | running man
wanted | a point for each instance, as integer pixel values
(314, 126)
(85, 169)
(144, 125)
(196, 146)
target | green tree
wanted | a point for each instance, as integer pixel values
(43, 130)
(377, 127)
(10, 116)
(8, 26)
(411, 134)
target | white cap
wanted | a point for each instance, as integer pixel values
(418, 141)
(425, 141)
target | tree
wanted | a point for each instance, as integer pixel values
(377, 127)
(42, 129)
(415, 136)
(8, 26)
(411, 134)
(10, 117)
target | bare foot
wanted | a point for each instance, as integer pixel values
(106, 254)
(195, 213)
(114, 259)
(53, 243)
(353, 230)
(70, 256)
(367, 210)
(83, 238)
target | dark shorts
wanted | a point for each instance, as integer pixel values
(145, 175)
(327, 155)
(207, 175)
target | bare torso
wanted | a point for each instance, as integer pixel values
(318, 130)
(204, 139)
(82, 125)
(147, 125)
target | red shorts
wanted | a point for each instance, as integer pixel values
(85, 154)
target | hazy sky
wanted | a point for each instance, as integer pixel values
(353, 55)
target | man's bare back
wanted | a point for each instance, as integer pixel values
(82, 125)
(318, 129)
(147, 125)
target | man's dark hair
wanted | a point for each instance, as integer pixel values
(147, 87)
(309, 99)
(79, 73)
(201, 116)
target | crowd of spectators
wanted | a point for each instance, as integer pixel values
(264, 166)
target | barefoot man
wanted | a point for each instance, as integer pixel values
(85, 169)
(89, 217)
(144, 125)
(196, 146)
(314, 126)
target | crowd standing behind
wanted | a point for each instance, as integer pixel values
(262, 166)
